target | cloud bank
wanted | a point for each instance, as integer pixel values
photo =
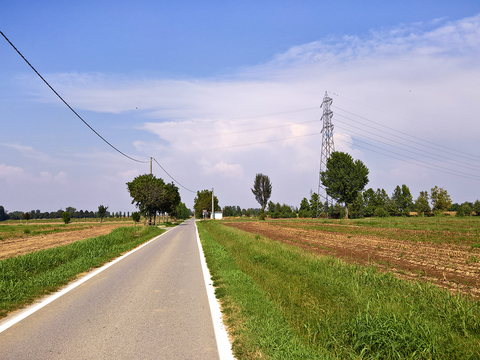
(421, 80)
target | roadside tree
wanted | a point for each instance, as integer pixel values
(182, 211)
(203, 201)
(170, 200)
(136, 219)
(344, 178)
(147, 194)
(262, 189)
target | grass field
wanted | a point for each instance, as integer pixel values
(282, 302)
(27, 277)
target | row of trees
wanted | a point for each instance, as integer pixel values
(153, 196)
(73, 213)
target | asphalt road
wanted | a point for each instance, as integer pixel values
(150, 305)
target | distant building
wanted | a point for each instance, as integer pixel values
(218, 215)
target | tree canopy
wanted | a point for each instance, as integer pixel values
(402, 200)
(203, 201)
(344, 178)
(440, 199)
(102, 211)
(262, 189)
(151, 195)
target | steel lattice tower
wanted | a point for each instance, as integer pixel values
(328, 147)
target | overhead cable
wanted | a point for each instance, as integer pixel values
(172, 177)
(51, 88)
(412, 136)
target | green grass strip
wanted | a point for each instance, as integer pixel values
(284, 303)
(27, 277)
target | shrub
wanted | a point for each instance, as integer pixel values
(466, 209)
(381, 212)
(476, 207)
(66, 217)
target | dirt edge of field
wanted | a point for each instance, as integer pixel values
(12, 247)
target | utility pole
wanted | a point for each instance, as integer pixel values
(328, 147)
(212, 216)
(150, 165)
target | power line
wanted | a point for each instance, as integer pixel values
(172, 177)
(410, 162)
(475, 168)
(51, 88)
(412, 136)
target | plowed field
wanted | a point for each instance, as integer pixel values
(453, 266)
(23, 245)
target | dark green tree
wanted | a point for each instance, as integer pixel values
(465, 209)
(3, 214)
(476, 207)
(422, 205)
(170, 200)
(401, 201)
(262, 189)
(148, 195)
(102, 211)
(314, 204)
(344, 178)
(356, 208)
(271, 207)
(136, 218)
(304, 211)
(182, 211)
(203, 201)
(26, 216)
(66, 217)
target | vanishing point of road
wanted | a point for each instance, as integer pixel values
(150, 305)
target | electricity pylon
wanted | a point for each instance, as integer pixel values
(328, 147)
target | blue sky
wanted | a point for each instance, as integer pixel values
(219, 91)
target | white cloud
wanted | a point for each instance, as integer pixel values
(223, 169)
(11, 174)
(421, 82)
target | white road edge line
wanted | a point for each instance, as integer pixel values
(48, 299)
(223, 343)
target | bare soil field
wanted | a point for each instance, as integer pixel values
(22, 245)
(455, 267)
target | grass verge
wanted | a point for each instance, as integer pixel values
(284, 303)
(27, 277)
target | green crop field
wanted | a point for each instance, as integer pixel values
(282, 302)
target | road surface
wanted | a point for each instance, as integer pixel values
(150, 305)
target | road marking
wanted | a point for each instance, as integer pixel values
(223, 343)
(48, 299)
